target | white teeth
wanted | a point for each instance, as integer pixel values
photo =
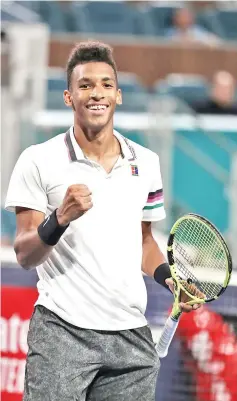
(97, 107)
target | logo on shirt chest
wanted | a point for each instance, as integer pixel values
(134, 169)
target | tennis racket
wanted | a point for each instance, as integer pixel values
(200, 265)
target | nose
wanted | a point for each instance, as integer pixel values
(97, 93)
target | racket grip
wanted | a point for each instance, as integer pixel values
(166, 336)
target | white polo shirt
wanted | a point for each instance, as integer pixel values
(92, 278)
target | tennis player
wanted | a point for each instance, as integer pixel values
(84, 204)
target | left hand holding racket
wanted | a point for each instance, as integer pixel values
(200, 266)
(184, 305)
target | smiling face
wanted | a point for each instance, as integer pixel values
(93, 95)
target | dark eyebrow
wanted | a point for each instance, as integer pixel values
(107, 79)
(87, 79)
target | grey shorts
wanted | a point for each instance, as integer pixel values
(67, 363)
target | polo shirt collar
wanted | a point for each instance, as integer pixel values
(75, 153)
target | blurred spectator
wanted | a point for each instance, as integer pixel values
(8, 227)
(5, 76)
(185, 29)
(222, 100)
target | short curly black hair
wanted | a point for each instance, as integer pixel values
(86, 52)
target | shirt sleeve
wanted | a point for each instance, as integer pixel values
(25, 187)
(154, 208)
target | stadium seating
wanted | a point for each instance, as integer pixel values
(228, 21)
(189, 88)
(117, 17)
(161, 18)
(63, 16)
(209, 21)
(56, 84)
(135, 95)
(8, 225)
(222, 23)
(114, 18)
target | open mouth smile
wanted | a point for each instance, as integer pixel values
(97, 109)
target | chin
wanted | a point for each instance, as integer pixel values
(98, 124)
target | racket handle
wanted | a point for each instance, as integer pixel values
(166, 336)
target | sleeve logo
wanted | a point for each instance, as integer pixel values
(134, 169)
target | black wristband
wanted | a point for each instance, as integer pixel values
(50, 231)
(162, 272)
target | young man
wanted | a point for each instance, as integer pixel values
(84, 203)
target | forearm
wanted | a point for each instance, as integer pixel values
(154, 263)
(152, 256)
(30, 250)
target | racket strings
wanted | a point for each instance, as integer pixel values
(200, 256)
(212, 289)
(195, 286)
(183, 253)
(188, 274)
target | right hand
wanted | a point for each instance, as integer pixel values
(76, 202)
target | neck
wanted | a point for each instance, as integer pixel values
(97, 145)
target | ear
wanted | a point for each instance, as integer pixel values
(67, 98)
(119, 99)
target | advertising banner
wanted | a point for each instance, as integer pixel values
(17, 308)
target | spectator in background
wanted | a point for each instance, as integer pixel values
(184, 29)
(222, 99)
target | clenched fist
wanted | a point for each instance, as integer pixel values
(76, 202)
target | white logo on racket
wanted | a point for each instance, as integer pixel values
(46, 221)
